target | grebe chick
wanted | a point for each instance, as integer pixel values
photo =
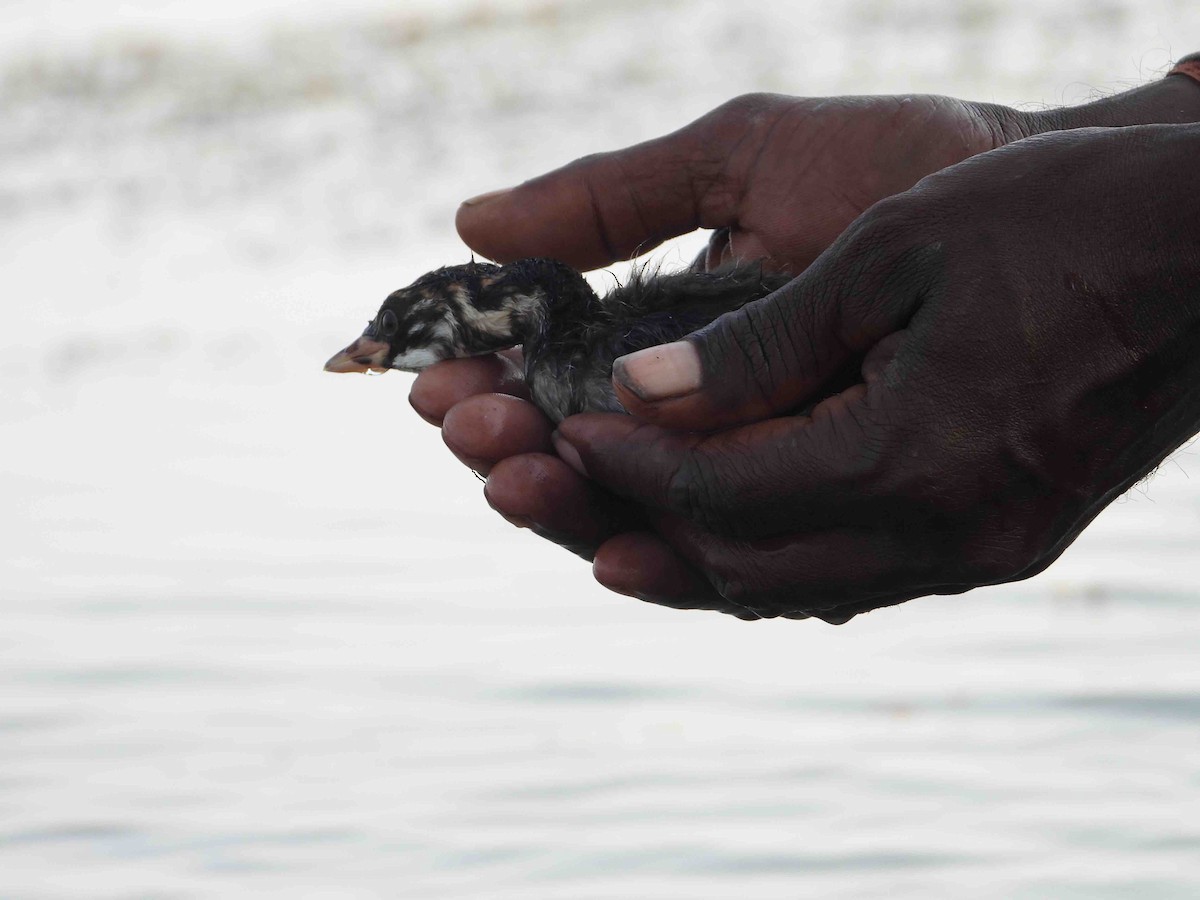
(570, 336)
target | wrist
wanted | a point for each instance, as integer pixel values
(1172, 100)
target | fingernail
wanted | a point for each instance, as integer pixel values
(660, 373)
(568, 454)
(510, 518)
(486, 197)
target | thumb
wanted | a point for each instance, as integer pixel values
(613, 206)
(593, 212)
(775, 354)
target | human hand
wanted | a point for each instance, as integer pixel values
(1028, 326)
(488, 423)
(557, 215)
(780, 177)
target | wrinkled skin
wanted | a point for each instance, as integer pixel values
(1020, 361)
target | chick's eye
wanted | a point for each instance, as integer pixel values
(388, 323)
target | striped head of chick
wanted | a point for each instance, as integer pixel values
(455, 311)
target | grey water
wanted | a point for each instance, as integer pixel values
(260, 634)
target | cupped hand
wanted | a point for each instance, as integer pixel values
(1027, 324)
(777, 177)
(490, 425)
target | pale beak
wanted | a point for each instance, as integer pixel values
(364, 355)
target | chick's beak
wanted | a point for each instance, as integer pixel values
(364, 355)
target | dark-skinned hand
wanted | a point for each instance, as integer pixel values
(688, 562)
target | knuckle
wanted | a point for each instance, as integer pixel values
(720, 489)
(1011, 551)
(733, 590)
(884, 222)
(688, 489)
(584, 166)
(753, 340)
(696, 492)
(754, 336)
(894, 235)
(720, 137)
(739, 592)
(870, 445)
(748, 582)
(747, 108)
(994, 560)
(875, 282)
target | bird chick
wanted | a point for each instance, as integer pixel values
(570, 335)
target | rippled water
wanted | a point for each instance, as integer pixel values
(259, 636)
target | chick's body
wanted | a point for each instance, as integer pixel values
(570, 336)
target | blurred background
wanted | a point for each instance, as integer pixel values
(261, 636)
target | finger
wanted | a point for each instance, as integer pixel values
(771, 355)
(763, 479)
(709, 259)
(642, 565)
(593, 212)
(451, 381)
(833, 574)
(728, 246)
(612, 206)
(540, 492)
(486, 428)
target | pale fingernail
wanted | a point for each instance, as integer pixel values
(510, 518)
(487, 197)
(661, 373)
(568, 454)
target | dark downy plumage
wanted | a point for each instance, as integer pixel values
(570, 336)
